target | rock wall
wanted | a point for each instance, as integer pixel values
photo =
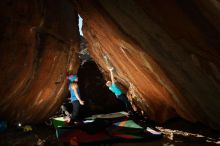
(38, 42)
(165, 53)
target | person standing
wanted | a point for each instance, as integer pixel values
(75, 98)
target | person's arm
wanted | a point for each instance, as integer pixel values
(75, 89)
(112, 76)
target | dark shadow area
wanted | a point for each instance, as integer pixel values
(98, 98)
(40, 135)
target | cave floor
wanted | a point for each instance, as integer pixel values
(176, 132)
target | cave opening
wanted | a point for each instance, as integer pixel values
(98, 98)
(80, 24)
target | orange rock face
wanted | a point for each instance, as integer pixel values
(165, 53)
(38, 45)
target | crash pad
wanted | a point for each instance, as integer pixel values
(103, 128)
(58, 121)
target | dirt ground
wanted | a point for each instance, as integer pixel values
(177, 132)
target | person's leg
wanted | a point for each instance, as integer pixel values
(124, 99)
(76, 107)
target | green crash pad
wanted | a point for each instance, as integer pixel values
(58, 122)
(60, 126)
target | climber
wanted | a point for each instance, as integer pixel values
(121, 96)
(75, 99)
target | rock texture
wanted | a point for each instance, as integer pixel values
(165, 53)
(38, 41)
